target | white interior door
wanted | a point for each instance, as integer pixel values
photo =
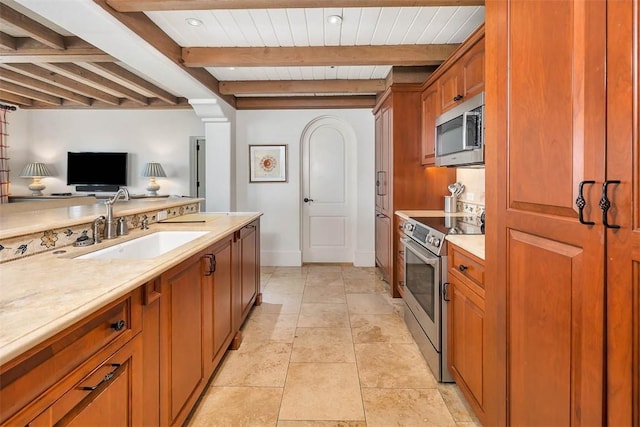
(328, 191)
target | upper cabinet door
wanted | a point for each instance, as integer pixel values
(545, 132)
(430, 111)
(472, 70)
(450, 88)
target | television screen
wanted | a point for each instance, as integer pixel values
(96, 168)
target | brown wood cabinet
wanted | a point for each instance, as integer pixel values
(249, 255)
(181, 347)
(401, 180)
(71, 378)
(466, 338)
(562, 296)
(464, 78)
(430, 112)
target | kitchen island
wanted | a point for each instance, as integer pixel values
(49, 297)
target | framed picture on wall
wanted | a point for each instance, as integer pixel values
(267, 163)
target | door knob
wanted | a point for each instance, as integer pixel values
(307, 200)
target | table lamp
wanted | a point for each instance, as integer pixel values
(35, 171)
(152, 171)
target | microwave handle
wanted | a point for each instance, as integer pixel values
(465, 123)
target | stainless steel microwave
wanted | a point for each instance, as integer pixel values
(460, 134)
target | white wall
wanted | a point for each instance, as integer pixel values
(281, 202)
(47, 135)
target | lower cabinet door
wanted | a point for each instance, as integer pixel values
(249, 267)
(466, 326)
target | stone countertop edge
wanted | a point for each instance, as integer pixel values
(473, 244)
(34, 221)
(44, 294)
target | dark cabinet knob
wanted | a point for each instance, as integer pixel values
(119, 325)
(462, 267)
(457, 98)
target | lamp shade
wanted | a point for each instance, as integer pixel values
(154, 170)
(35, 170)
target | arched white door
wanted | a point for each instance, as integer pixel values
(328, 191)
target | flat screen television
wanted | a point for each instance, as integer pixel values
(99, 171)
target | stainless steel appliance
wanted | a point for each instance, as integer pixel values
(425, 294)
(460, 134)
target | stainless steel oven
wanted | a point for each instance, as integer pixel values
(425, 294)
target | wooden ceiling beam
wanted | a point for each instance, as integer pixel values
(155, 104)
(39, 85)
(168, 5)
(304, 102)
(30, 93)
(144, 27)
(29, 50)
(117, 71)
(34, 29)
(399, 55)
(12, 98)
(7, 41)
(64, 82)
(301, 86)
(94, 79)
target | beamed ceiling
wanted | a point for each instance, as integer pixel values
(254, 54)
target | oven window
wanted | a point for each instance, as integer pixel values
(421, 281)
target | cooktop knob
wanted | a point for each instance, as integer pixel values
(436, 242)
(430, 240)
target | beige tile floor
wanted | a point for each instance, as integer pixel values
(328, 347)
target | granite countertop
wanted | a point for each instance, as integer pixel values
(35, 221)
(43, 294)
(471, 243)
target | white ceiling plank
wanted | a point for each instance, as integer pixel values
(423, 20)
(307, 73)
(404, 21)
(342, 72)
(350, 24)
(298, 26)
(454, 23)
(264, 27)
(295, 73)
(380, 71)
(246, 26)
(386, 21)
(280, 23)
(473, 22)
(331, 73)
(367, 25)
(315, 26)
(440, 19)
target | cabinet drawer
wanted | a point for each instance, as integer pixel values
(27, 377)
(468, 266)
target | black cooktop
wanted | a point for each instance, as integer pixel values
(452, 225)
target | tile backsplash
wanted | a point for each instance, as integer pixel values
(473, 180)
(31, 244)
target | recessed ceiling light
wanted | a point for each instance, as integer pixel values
(194, 22)
(334, 19)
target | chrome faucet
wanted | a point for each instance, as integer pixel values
(111, 225)
(95, 227)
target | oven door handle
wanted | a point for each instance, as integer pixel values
(420, 252)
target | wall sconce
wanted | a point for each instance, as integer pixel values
(153, 171)
(35, 171)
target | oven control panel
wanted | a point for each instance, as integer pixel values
(431, 239)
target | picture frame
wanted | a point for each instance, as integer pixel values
(267, 163)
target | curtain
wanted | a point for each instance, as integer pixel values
(4, 158)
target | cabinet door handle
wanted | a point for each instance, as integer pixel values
(457, 98)
(605, 204)
(581, 203)
(106, 378)
(445, 291)
(119, 325)
(212, 264)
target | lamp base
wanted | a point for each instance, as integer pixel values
(36, 187)
(152, 187)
